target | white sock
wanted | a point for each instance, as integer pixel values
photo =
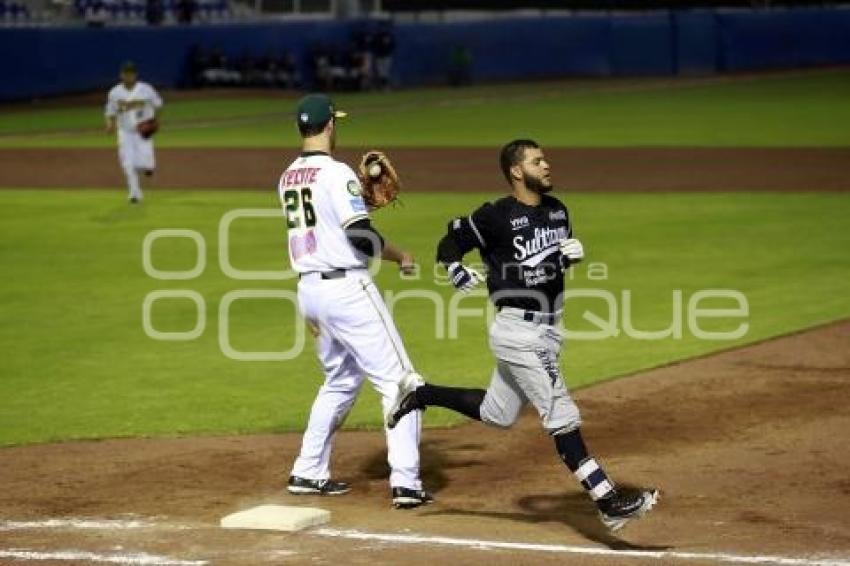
(594, 479)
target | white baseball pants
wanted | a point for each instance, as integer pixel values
(135, 154)
(358, 339)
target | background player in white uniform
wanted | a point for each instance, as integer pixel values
(129, 102)
(330, 241)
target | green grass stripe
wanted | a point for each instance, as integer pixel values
(77, 363)
(798, 110)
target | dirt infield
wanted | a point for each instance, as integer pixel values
(457, 169)
(748, 447)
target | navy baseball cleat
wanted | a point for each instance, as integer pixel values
(408, 404)
(406, 498)
(621, 506)
(303, 486)
(405, 401)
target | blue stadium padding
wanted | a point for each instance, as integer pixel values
(695, 42)
(43, 61)
(641, 44)
(504, 50)
(784, 38)
(50, 61)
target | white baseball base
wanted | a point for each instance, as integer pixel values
(276, 518)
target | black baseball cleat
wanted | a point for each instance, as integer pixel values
(134, 200)
(406, 401)
(303, 486)
(408, 404)
(621, 506)
(406, 498)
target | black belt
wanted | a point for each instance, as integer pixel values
(538, 317)
(332, 274)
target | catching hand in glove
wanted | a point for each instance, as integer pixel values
(379, 179)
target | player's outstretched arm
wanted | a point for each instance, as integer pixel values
(450, 251)
(110, 113)
(364, 238)
(402, 258)
(367, 240)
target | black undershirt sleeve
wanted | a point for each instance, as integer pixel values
(364, 238)
(462, 237)
(449, 250)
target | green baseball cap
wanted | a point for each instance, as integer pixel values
(316, 109)
(128, 67)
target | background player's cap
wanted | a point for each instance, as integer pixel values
(316, 109)
(128, 67)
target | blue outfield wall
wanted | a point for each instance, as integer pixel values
(787, 39)
(46, 61)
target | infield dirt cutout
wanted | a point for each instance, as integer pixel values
(455, 169)
(749, 448)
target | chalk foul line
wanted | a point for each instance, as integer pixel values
(721, 557)
(74, 523)
(143, 559)
(77, 556)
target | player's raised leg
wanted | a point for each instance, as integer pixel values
(499, 405)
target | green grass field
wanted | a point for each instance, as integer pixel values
(775, 110)
(77, 363)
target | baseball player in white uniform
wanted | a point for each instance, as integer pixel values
(330, 241)
(129, 102)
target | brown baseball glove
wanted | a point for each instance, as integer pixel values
(379, 179)
(148, 128)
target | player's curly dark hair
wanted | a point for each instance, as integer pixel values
(512, 154)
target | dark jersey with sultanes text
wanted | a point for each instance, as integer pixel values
(520, 247)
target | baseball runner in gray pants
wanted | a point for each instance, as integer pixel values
(526, 241)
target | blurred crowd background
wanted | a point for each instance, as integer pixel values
(50, 47)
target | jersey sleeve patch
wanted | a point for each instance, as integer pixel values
(350, 207)
(358, 205)
(353, 188)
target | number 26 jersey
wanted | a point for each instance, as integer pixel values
(320, 198)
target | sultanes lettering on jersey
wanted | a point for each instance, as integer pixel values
(544, 242)
(520, 246)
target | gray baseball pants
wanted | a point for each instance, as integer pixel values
(527, 371)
